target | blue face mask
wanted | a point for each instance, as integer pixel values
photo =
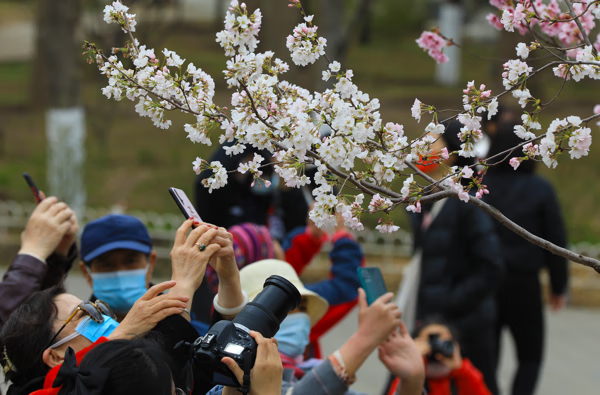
(120, 289)
(293, 334)
(91, 330)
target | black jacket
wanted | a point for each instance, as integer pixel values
(529, 201)
(460, 266)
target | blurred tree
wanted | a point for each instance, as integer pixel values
(56, 88)
(56, 80)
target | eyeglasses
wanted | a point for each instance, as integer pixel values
(95, 310)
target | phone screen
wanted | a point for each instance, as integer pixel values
(372, 282)
(185, 205)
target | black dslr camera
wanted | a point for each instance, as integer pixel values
(440, 347)
(232, 338)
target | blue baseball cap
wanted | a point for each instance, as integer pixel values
(114, 232)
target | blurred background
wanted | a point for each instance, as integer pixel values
(102, 157)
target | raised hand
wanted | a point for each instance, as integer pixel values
(149, 310)
(52, 224)
(188, 256)
(401, 356)
(377, 321)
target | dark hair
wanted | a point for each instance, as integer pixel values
(435, 320)
(137, 366)
(505, 139)
(26, 333)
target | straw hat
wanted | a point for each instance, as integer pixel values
(253, 278)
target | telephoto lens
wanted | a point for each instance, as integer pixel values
(232, 338)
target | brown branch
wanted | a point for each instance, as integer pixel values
(498, 216)
(580, 26)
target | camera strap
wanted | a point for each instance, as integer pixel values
(245, 388)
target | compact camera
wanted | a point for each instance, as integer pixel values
(440, 347)
(232, 338)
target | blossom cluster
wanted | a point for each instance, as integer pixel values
(360, 149)
(433, 44)
(304, 44)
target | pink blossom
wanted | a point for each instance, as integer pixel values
(499, 4)
(439, 57)
(494, 20)
(415, 208)
(514, 162)
(597, 109)
(464, 196)
(433, 44)
(467, 172)
(482, 191)
(430, 41)
(444, 152)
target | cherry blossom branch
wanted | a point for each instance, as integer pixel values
(498, 216)
(581, 29)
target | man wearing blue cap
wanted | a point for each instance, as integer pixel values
(117, 260)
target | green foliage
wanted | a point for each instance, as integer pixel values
(394, 19)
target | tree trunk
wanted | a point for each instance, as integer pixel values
(56, 71)
(56, 88)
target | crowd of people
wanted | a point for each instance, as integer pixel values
(472, 278)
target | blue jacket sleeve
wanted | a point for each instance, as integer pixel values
(342, 286)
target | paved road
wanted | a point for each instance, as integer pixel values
(571, 366)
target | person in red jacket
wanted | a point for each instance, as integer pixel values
(446, 371)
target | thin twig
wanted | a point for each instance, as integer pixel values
(581, 29)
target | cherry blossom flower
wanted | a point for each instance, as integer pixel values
(522, 50)
(515, 163)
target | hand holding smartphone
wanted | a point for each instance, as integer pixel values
(33, 187)
(184, 204)
(372, 282)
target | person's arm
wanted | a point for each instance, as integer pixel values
(230, 299)
(469, 380)
(59, 266)
(375, 323)
(302, 244)
(46, 231)
(554, 231)
(403, 359)
(346, 256)
(23, 278)
(485, 272)
(188, 262)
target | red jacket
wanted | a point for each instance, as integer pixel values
(51, 375)
(467, 379)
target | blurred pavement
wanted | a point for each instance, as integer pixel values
(572, 349)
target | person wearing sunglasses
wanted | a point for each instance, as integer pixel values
(141, 366)
(33, 342)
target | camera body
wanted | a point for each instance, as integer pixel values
(232, 338)
(444, 348)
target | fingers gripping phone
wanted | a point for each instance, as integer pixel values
(372, 282)
(33, 187)
(184, 204)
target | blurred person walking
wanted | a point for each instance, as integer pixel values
(528, 200)
(460, 266)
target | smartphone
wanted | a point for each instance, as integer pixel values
(184, 204)
(372, 282)
(33, 187)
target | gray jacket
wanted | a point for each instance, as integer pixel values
(321, 380)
